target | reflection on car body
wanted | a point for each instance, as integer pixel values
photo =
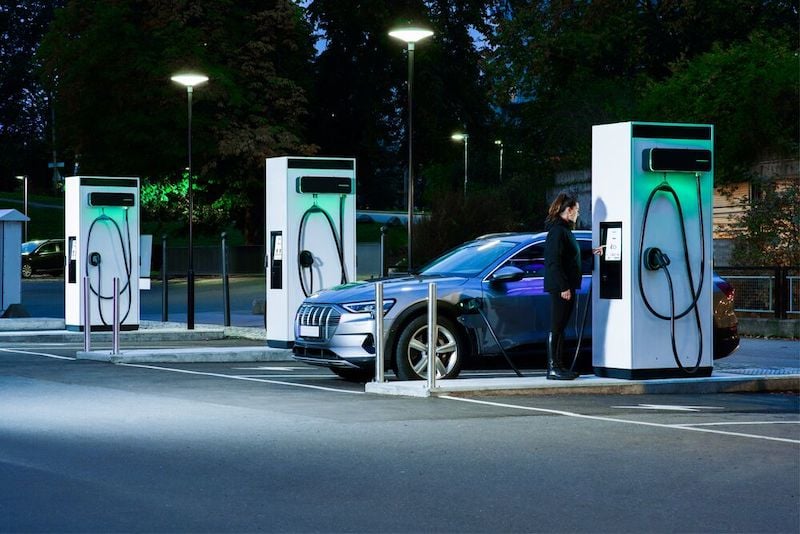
(334, 327)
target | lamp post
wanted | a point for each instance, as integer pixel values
(464, 137)
(410, 35)
(24, 179)
(189, 80)
(499, 143)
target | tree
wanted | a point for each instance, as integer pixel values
(24, 106)
(747, 90)
(770, 228)
(111, 62)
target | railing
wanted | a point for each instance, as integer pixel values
(764, 290)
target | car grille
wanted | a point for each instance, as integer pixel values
(324, 318)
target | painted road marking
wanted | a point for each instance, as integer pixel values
(235, 377)
(39, 354)
(616, 420)
(669, 407)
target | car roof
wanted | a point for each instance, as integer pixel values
(523, 237)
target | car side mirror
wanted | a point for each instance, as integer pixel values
(508, 273)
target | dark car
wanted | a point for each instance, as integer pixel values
(43, 256)
(334, 327)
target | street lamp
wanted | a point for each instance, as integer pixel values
(410, 35)
(190, 80)
(464, 137)
(499, 143)
(24, 179)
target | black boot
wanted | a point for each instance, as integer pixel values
(555, 369)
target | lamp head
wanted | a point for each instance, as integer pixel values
(410, 34)
(459, 136)
(498, 142)
(189, 79)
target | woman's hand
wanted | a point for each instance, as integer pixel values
(566, 295)
(598, 251)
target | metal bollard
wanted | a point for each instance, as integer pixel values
(384, 229)
(379, 362)
(433, 331)
(226, 294)
(115, 321)
(87, 317)
(164, 286)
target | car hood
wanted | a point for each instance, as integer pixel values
(365, 291)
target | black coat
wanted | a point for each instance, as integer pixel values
(562, 258)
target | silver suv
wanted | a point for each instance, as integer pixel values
(334, 328)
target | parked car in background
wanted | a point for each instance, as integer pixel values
(43, 256)
(504, 272)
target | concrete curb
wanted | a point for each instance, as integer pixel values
(589, 385)
(189, 355)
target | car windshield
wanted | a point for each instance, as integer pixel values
(30, 246)
(469, 259)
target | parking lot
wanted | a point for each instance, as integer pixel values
(280, 446)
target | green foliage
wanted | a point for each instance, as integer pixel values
(121, 114)
(770, 229)
(747, 90)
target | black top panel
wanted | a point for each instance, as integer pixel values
(302, 163)
(110, 182)
(656, 131)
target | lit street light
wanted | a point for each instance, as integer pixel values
(464, 137)
(190, 80)
(24, 179)
(499, 143)
(410, 35)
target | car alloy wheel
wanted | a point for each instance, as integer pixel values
(27, 270)
(411, 356)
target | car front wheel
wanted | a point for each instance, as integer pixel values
(411, 353)
(27, 270)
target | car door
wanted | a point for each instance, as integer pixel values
(50, 257)
(519, 311)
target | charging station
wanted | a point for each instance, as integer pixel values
(652, 307)
(310, 233)
(101, 223)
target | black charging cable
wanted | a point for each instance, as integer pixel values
(476, 304)
(306, 258)
(654, 259)
(95, 259)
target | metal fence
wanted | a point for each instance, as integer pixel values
(765, 290)
(245, 260)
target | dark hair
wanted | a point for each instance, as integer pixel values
(562, 202)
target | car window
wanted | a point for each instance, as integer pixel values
(29, 246)
(529, 259)
(469, 259)
(49, 248)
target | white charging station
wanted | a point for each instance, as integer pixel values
(652, 187)
(101, 226)
(310, 234)
(11, 265)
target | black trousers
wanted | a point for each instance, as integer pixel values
(560, 311)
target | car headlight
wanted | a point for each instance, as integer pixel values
(368, 306)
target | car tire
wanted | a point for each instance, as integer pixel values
(27, 270)
(353, 375)
(411, 358)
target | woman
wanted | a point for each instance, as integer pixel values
(562, 277)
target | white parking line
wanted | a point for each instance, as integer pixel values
(39, 354)
(236, 377)
(616, 420)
